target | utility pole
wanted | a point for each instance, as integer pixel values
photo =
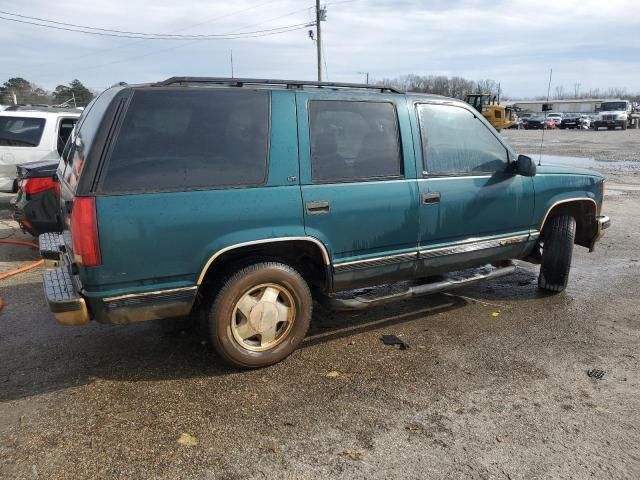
(366, 75)
(319, 39)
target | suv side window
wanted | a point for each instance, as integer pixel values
(180, 139)
(21, 131)
(65, 128)
(455, 142)
(353, 140)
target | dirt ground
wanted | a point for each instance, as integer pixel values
(493, 386)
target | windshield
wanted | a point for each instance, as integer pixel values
(21, 131)
(611, 106)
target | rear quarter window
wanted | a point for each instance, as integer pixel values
(78, 146)
(181, 139)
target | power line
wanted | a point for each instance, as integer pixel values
(211, 20)
(227, 36)
(126, 32)
(185, 44)
(279, 17)
(181, 45)
(324, 60)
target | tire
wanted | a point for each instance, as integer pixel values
(557, 251)
(624, 126)
(267, 289)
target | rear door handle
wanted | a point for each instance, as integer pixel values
(317, 207)
(430, 197)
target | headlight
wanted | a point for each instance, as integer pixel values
(622, 116)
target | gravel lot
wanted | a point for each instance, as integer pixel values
(494, 384)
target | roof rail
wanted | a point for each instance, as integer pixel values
(240, 82)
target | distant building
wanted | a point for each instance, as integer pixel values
(585, 105)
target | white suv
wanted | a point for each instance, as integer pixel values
(556, 117)
(29, 134)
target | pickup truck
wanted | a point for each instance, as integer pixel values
(242, 201)
(618, 113)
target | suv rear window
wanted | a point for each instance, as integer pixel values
(190, 138)
(21, 131)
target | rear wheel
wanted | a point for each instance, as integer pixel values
(260, 315)
(557, 250)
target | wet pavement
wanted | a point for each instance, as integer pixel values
(494, 384)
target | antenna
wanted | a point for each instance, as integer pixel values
(545, 118)
(232, 72)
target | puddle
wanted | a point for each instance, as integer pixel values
(586, 162)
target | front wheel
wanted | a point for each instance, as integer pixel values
(260, 315)
(557, 250)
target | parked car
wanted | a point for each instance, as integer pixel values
(537, 123)
(570, 121)
(584, 122)
(36, 206)
(556, 117)
(242, 200)
(29, 134)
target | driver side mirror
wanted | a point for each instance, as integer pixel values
(525, 166)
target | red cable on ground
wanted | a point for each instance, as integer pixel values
(21, 269)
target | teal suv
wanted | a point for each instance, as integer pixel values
(243, 200)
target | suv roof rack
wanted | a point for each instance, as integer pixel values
(240, 82)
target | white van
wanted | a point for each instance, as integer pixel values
(28, 134)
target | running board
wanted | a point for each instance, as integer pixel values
(360, 302)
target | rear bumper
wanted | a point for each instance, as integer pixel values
(72, 305)
(63, 297)
(66, 304)
(603, 222)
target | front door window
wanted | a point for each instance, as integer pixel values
(456, 142)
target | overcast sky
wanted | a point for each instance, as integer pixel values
(593, 42)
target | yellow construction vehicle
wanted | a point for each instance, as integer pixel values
(498, 115)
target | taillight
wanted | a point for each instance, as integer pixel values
(601, 198)
(31, 186)
(84, 232)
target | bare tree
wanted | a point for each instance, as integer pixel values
(576, 90)
(487, 86)
(456, 87)
(559, 95)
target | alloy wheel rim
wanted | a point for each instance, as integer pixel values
(263, 317)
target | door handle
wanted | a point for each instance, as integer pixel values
(430, 197)
(317, 207)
